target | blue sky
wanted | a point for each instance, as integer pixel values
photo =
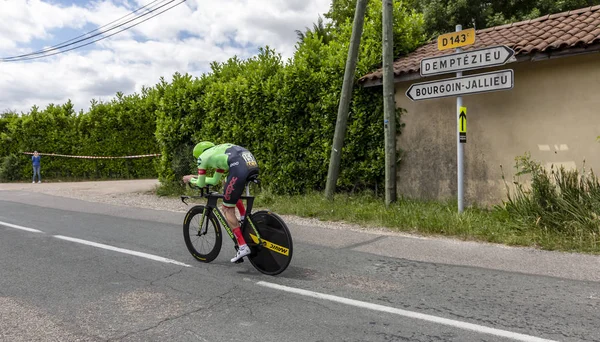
(185, 39)
(63, 34)
(59, 36)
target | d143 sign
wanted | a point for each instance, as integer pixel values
(456, 39)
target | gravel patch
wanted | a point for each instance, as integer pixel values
(140, 194)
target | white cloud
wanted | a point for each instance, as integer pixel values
(185, 39)
(24, 20)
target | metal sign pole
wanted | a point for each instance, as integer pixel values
(468, 85)
(460, 151)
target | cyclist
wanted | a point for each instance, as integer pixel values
(240, 164)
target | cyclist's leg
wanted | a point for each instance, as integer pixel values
(240, 170)
(241, 209)
(233, 191)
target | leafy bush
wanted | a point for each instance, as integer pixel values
(123, 126)
(11, 168)
(285, 112)
(565, 201)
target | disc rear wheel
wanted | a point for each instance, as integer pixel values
(273, 255)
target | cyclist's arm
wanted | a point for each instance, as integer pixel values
(200, 180)
(215, 178)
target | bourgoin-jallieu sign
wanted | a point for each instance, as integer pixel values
(480, 83)
(469, 60)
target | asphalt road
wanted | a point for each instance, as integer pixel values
(340, 286)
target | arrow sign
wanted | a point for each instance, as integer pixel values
(470, 60)
(473, 84)
(462, 127)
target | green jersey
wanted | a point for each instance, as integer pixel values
(219, 157)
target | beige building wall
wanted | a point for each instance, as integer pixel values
(553, 112)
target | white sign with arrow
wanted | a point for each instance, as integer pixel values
(473, 84)
(463, 85)
(476, 59)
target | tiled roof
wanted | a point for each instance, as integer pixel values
(561, 31)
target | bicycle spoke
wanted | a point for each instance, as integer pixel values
(204, 243)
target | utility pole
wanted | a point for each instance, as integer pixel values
(345, 97)
(389, 104)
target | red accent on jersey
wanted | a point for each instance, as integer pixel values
(220, 170)
(201, 172)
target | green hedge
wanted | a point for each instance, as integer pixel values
(123, 126)
(285, 112)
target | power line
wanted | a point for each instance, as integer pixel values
(27, 57)
(54, 47)
(96, 40)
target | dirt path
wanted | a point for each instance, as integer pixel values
(99, 187)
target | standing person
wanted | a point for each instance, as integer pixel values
(35, 160)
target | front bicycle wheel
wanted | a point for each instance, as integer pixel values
(272, 253)
(202, 234)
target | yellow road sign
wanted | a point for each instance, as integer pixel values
(456, 39)
(462, 127)
(462, 124)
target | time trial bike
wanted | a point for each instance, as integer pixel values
(265, 232)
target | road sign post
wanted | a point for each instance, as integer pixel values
(468, 85)
(460, 148)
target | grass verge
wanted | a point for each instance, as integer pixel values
(558, 210)
(429, 219)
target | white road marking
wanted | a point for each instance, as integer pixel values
(416, 315)
(122, 250)
(99, 245)
(20, 227)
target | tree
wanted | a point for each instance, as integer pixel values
(318, 30)
(342, 11)
(9, 114)
(441, 16)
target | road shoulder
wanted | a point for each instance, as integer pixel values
(133, 199)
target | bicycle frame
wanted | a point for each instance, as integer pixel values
(211, 205)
